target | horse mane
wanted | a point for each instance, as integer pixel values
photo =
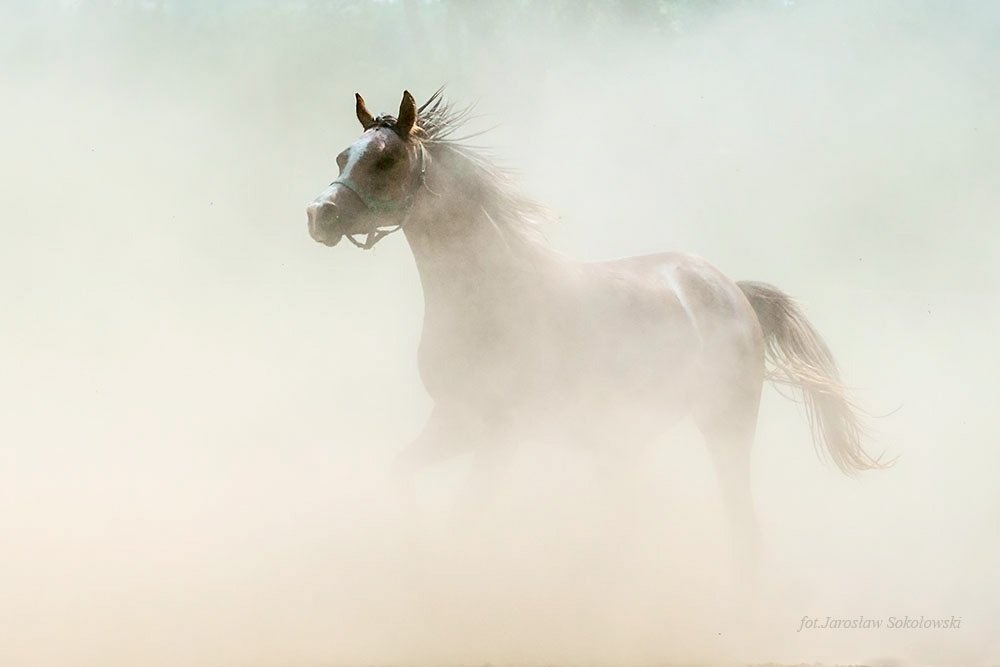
(517, 218)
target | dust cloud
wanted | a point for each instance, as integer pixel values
(200, 403)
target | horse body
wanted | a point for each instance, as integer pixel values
(521, 342)
(630, 335)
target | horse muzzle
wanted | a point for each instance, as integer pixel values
(336, 212)
(324, 223)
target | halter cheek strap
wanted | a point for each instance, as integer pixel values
(379, 205)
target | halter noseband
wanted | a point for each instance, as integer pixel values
(379, 205)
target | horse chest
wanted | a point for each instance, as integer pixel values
(475, 347)
(469, 358)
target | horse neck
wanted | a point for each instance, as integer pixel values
(459, 251)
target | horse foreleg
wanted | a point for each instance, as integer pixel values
(492, 459)
(446, 434)
(451, 431)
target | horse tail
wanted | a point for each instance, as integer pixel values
(800, 358)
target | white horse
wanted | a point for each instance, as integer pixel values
(520, 341)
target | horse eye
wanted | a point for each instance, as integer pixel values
(385, 162)
(342, 160)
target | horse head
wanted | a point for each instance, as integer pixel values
(380, 175)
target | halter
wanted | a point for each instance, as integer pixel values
(379, 205)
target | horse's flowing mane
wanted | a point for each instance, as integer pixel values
(518, 219)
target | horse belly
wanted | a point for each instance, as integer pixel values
(634, 364)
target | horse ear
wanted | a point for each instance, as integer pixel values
(407, 117)
(363, 115)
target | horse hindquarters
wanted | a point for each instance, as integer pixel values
(726, 391)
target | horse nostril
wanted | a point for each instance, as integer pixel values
(320, 212)
(312, 212)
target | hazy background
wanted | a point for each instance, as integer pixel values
(199, 402)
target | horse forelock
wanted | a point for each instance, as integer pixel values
(390, 122)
